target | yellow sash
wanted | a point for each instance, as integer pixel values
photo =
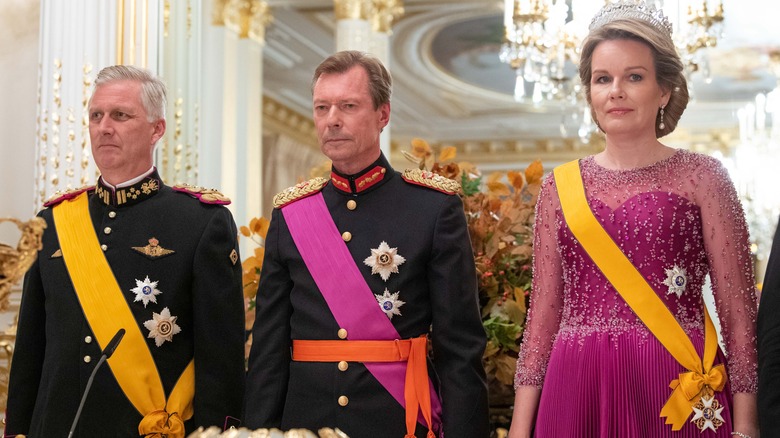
(701, 378)
(107, 311)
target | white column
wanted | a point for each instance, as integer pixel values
(242, 104)
(380, 46)
(178, 152)
(229, 146)
(382, 14)
(353, 30)
(213, 41)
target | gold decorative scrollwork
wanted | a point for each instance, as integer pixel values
(385, 13)
(14, 262)
(247, 18)
(261, 18)
(351, 9)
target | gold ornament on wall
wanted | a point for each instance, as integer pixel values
(14, 261)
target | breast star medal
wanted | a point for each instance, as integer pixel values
(707, 413)
(162, 327)
(384, 260)
(389, 303)
(676, 280)
(145, 291)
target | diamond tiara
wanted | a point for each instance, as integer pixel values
(631, 9)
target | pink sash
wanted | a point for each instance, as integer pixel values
(334, 271)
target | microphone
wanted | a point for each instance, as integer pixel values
(106, 353)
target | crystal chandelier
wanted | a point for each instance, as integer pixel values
(698, 29)
(541, 48)
(542, 40)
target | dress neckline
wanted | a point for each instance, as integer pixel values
(590, 161)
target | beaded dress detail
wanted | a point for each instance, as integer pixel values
(602, 373)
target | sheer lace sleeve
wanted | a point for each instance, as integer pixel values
(547, 291)
(726, 242)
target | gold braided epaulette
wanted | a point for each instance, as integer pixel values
(299, 191)
(63, 195)
(431, 180)
(204, 195)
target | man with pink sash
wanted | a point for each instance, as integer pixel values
(367, 317)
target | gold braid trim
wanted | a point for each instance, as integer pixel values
(207, 196)
(432, 180)
(299, 191)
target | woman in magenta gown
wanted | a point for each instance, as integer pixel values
(588, 365)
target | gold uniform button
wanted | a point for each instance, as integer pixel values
(343, 400)
(343, 365)
(112, 214)
(88, 339)
(342, 333)
(104, 247)
(107, 230)
(347, 236)
(351, 204)
(87, 359)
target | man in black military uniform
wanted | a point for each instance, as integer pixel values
(769, 346)
(131, 253)
(358, 269)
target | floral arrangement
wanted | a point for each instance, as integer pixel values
(500, 215)
(251, 267)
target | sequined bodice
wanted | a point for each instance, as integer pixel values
(677, 221)
(661, 234)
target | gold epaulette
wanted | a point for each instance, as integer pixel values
(431, 180)
(62, 195)
(299, 191)
(204, 195)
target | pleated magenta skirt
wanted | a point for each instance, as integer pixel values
(613, 385)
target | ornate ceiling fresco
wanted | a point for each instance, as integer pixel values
(451, 88)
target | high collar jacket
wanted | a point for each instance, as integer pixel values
(151, 236)
(436, 282)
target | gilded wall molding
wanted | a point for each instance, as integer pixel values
(247, 18)
(351, 9)
(261, 18)
(280, 119)
(384, 13)
(218, 12)
(505, 155)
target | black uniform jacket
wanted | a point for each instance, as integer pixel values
(769, 346)
(201, 286)
(437, 283)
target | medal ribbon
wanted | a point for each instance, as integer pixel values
(349, 297)
(690, 386)
(106, 311)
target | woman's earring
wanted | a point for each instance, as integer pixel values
(662, 125)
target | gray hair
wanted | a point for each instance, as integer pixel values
(153, 92)
(380, 83)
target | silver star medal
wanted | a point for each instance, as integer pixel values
(384, 260)
(389, 303)
(162, 327)
(707, 414)
(145, 291)
(676, 279)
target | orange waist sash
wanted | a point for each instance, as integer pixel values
(413, 351)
